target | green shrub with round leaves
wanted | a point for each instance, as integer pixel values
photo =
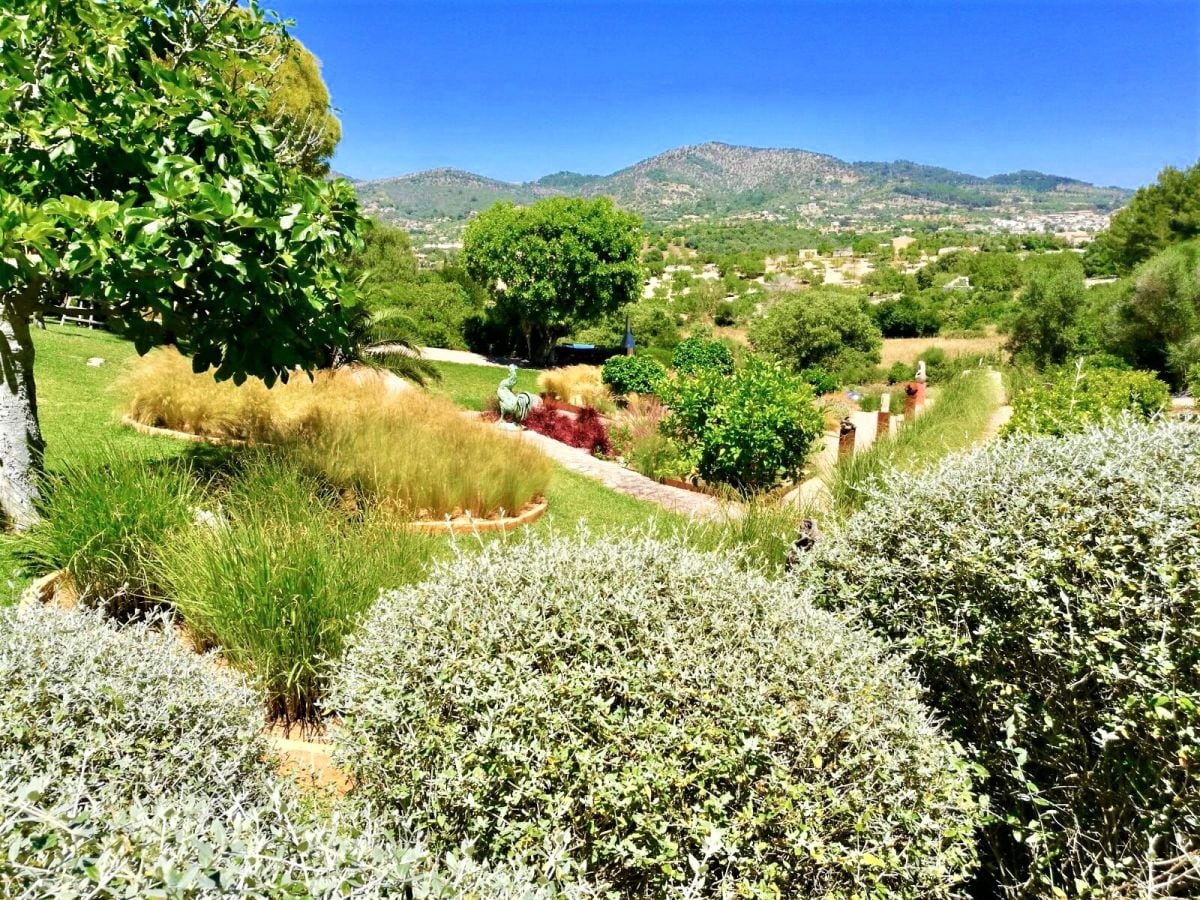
(751, 429)
(1048, 592)
(697, 354)
(131, 767)
(822, 382)
(681, 724)
(633, 375)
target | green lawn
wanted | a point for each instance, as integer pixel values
(80, 410)
(471, 386)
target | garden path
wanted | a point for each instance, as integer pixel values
(616, 477)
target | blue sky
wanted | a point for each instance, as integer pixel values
(1106, 92)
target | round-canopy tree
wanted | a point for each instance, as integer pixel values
(556, 265)
(135, 176)
(297, 101)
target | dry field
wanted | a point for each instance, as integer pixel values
(907, 350)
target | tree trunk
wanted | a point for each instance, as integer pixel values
(21, 444)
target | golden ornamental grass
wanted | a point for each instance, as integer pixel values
(360, 429)
(579, 385)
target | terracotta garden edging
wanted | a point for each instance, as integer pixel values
(156, 431)
(461, 525)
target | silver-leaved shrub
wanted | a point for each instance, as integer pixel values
(683, 726)
(1048, 590)
(132, 768)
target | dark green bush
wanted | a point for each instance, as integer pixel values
(1048, 593)
(900, 371)
(680, 724)
(908, 316)
(633, 375)
(822, 382)
(1072, 397)
(826, 327)
(752, 429)
(101, 521)
(698, 354)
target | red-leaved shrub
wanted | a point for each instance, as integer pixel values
(585, 430)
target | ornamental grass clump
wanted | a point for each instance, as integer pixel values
(361, 429)
(681, 725)
(131, 767)
(1048, 591)
(102, 520)
(577, 385)
(282, 578)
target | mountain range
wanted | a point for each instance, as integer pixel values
(723, 180)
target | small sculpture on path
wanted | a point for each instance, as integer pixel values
(921, 376)
(514, 407)
(806, 539)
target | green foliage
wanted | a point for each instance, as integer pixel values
(751, 429)
(678, 723)
(1075, 397)
(297, 101)
(912, 315)
(136, 174)
(822, 382)
(824, 327)
(1159, 215)
(900, 371)
(1153, 318)
(698, 354)
(103, 518)
(557, 264)
(281, 580)
(1045, 590)
(131, 767)
(633, 375)
(1046, 327)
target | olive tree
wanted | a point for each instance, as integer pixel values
(135, 176)
(556, 265)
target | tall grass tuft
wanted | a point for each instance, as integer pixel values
(359, 429)
(101, 521)
(958, 419)
(578, 385)
(281, 579)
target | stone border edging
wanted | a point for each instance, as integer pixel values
(533, 510)
(469, 525)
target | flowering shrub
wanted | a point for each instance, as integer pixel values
(698, 354)
(678, 723)
(1049, 593)
(633, 375)
(1073, 397)
(751, 429)
(585, 430)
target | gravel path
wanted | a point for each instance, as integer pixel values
(466, 357)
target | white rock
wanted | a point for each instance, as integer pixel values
(95, 362)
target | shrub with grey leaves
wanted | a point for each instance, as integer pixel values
(130, 767)
(1048, 590)
(682, 725)
(127, 709)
